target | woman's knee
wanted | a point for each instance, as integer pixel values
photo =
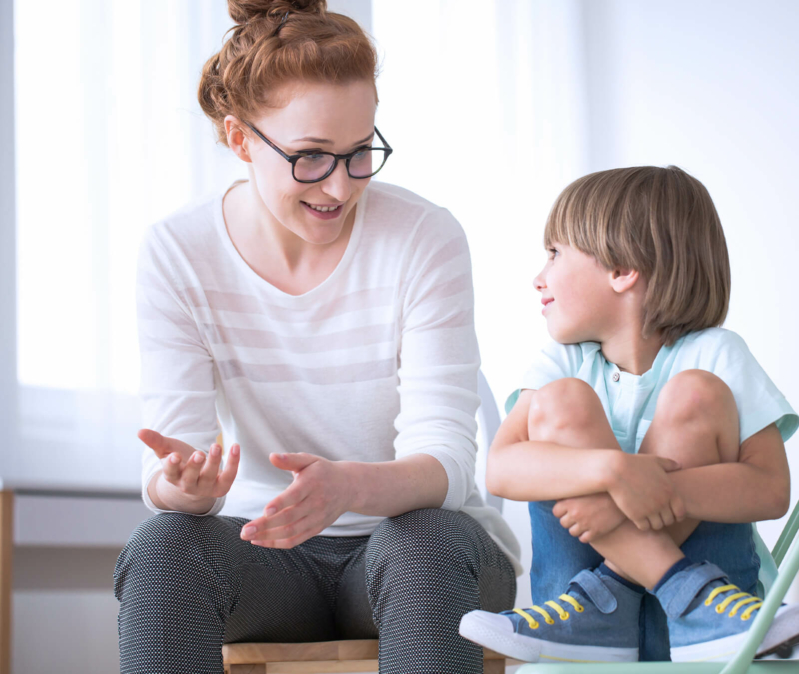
(421, 539)
(167, 543)
(565, 404)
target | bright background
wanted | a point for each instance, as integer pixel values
(493, 107)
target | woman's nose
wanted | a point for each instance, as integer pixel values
(337, 184)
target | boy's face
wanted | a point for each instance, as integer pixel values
(577, 295)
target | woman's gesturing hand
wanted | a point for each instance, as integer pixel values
(320, 494)
(643, 491)
(194, 475)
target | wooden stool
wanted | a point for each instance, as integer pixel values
(323, 657)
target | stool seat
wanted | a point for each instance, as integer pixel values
(321, 657)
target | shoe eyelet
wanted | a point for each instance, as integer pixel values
(719, 610)
(747, 617)
(535, 626)
(550, 621)
(708, 602)
(579, 609)
(565, 617)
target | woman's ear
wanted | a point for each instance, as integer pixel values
(237, 140)
(622, 279)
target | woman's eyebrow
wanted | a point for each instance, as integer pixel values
(323, 141)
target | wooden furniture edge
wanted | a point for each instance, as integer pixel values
(6, 546)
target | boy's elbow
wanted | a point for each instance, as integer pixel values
(782, 503)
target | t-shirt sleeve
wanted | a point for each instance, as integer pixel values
(555, 361)
(439, 358)
(759, 401)
(177, 391)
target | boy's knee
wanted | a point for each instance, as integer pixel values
(567, 403)
(695, 395)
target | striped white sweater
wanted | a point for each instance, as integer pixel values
(378, 362)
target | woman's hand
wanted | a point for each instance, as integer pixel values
(589, 517)
(320, 494)
(196, 477)
(642, 490)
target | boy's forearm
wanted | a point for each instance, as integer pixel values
(732, 492)
(544, 471)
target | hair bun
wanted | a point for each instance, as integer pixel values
(242, 11)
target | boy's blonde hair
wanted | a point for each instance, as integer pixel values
(660, 222)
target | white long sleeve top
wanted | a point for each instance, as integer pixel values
(376, 363)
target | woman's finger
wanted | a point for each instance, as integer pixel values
(274, 525)
(295, 493)
(656, 522)
(304, 529)
(575, 530)
(566, 521)
(667, 517)
(210, 469)
(172, 468)
(225, 479)
(191, 472)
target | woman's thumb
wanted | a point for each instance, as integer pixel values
(292, 462)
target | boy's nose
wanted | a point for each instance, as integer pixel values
(538, 282)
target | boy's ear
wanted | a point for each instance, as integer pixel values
(622, 279)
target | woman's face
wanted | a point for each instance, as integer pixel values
(334, 118)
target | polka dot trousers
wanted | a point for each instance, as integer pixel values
(188, 584)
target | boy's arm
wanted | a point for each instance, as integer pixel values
(524, 470)
(757, 487)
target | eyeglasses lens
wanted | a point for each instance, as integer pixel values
(362, 165)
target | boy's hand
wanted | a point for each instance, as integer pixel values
(642, 490)
(589, 517)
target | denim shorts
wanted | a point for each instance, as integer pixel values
(558, 557)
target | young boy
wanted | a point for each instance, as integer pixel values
(645, 437)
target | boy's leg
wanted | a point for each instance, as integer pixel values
(590, 616)
(696, 424)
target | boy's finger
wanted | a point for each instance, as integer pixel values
(669, 465)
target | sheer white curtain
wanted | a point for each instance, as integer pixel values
(485, 104)
(109, 138)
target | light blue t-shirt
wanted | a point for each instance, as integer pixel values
(629, 400)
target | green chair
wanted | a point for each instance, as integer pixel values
(778, 570)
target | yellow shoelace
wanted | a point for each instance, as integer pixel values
(745, 598)
(534, 624)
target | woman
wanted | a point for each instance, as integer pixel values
(327, 323)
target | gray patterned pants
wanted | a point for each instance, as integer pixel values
(188, 584)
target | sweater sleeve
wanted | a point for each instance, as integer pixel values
(177, 390)
(439, 357)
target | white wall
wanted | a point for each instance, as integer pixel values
(712, 87)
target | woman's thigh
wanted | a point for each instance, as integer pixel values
(183, 569)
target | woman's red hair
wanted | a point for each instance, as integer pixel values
(277, 42)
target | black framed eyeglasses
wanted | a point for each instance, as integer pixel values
(313, 166)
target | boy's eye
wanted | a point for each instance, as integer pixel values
(552, 252)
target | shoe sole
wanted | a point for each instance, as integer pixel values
(779, 641)
(528, 649)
